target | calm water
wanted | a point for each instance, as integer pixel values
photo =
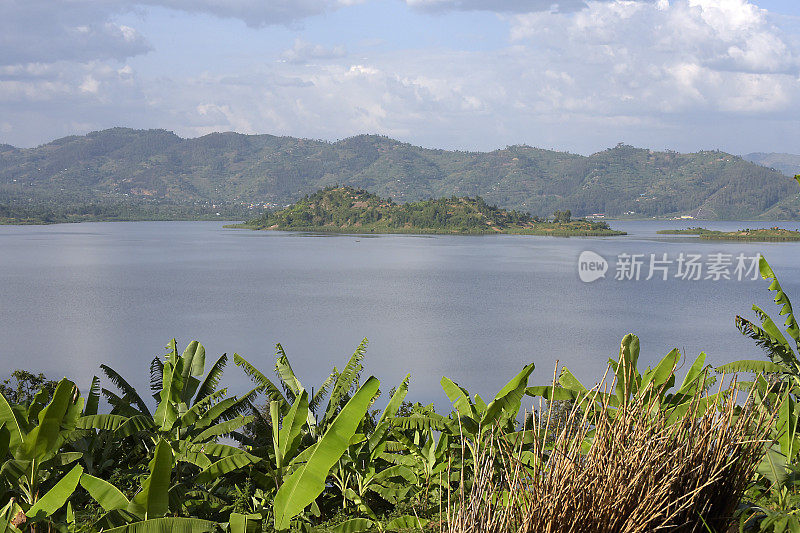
(473, 308)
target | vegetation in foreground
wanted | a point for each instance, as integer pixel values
(761, 234)
(349, 210)
(637, 452)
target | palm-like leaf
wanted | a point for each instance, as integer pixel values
(128, 391)
(347, 381)
(240, 406)
(211, 382)
(119, 406)
(319, 395)
(93, 398)
(782, 299)
(768, 336)
(269, 388)
(156, 374)
(291, 385)
(754, 366)
(776, 350)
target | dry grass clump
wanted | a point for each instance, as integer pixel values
(631, 468)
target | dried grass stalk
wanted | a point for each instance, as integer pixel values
(616, 470)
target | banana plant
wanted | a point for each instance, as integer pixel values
(191, 416)
(99, 447)
(776, 385)
(778, 379)
(655, 387)
(437, 462)
(473, 419)
(363, 474)
(340, 385)
(301, 423)
(426, 455)
(312, 467)
(783, 355)
(298, 411)
(147, 510)
(286, 442)
(772, 505)
(37, 477)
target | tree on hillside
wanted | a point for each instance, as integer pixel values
(562, 217)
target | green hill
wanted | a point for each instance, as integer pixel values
(225, 172)
(788, 164)
(351, 210)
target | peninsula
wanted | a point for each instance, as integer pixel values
(774, 234)
(350, 210)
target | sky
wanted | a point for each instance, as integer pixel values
(571, 75)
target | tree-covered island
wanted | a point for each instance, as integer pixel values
(349, 210)
(774, 234)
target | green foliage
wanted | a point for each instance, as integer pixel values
(307, 482)
(655, 386)
(327, 455)
(22, 386)
(562, 217)
(36, 474)
(133, 174)
(353, 210)
(346, 207)
(183, 432)
(775, 495)
(782, 353)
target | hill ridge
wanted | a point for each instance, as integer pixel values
(228, 168)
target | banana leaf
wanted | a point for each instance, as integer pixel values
(303, 486)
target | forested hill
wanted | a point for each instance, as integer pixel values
(350, 210)
(124, 165)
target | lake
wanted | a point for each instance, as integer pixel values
(473, 308)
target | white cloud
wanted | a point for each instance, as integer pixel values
(90, 85)
(688, 55)
(685, 74)
(304, 52)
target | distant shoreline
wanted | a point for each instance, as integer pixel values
(427, 231)
(751, 235)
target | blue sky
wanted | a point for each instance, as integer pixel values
(464, 74)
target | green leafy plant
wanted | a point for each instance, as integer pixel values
(191, 416)
(37, 477)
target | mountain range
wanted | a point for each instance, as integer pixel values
(123, 165)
